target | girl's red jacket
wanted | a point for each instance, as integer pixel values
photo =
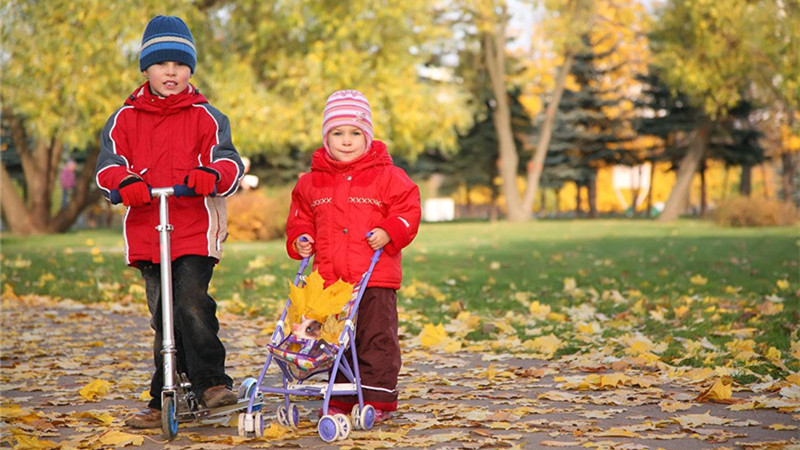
(161, 140)
(338, 203)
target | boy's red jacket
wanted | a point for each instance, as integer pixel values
(338, 203)
(161, 140)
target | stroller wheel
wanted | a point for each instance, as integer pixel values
(258, 424)
(329, 428)
(356, 415)
(293, 416)
(367, 417)
(344, 426)
(281, 416)
(290, 418)
(241, 429)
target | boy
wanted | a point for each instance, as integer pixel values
(168, 134)
(353, 188)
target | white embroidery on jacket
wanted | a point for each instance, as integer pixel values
(321, 201)
(365, 201)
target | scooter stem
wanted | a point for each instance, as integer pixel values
(168, 348)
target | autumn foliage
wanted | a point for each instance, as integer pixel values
(755, 212)
(254, 216)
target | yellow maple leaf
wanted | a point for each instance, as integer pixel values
(314, 301)
(32, 442)
(617, 432)
(793, 378)
(435, 336)
(100, 416)
(12, 411)
(431, 335)
(538, 310)
(547, 346)
(274, 431)
(95, 389)
(719, 392)
(698, 280)
(681, 311)
(782, 426)
(116, 438)
(782, 284)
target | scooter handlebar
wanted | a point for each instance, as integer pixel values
(179, 190)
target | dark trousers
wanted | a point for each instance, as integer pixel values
(378, 348)
(201, 355)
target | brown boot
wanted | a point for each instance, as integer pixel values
(146, 418)
(219, 396)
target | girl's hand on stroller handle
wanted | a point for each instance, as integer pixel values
(377, 238)
(304, 246)
(179, 190)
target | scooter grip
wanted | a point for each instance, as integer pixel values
(181, 190)
(115, 197)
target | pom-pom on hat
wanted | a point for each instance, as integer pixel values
(167, 38)
(347, 107)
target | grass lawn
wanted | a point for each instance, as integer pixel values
(698, 293)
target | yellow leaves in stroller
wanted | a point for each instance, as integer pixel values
(315, 316)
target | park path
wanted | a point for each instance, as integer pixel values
(53, 350)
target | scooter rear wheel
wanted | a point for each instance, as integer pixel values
(169, 418)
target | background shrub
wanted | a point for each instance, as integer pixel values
(755, 212)
(258, 215)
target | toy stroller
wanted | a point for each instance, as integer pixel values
(299, 359)
(178, 402)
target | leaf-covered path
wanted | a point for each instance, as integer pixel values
(72, 372)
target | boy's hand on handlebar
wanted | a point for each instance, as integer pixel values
(202, 180)
(378, 239)
(134, 192)
(304, 247)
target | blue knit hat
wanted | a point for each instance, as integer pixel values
(167, 38)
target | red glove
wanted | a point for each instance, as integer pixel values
(203, 180)
(134, 192)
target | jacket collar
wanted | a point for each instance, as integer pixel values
(144, 99)
(376, 155)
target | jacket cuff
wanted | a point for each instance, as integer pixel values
(397, 229)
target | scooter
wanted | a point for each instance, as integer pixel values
(178, 402)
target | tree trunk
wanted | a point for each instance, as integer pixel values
(650, 191)
(494, 45)
(676, 203)
(578, 210)
(32, 213)
(746, 181)
(14, 210)
(591, 194)
(558, 202)
(703, 189)
(789, 164)
(536, 165)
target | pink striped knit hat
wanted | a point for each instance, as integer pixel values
(347, 107)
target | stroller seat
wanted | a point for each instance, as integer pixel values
(304, 357)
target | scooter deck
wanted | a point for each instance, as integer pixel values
(203, 414)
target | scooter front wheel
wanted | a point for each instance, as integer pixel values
(169, 418)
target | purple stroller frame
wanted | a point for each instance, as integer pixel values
(329, 430)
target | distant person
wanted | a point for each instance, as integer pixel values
(166, 134)
(355, 188)
(67, 182)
